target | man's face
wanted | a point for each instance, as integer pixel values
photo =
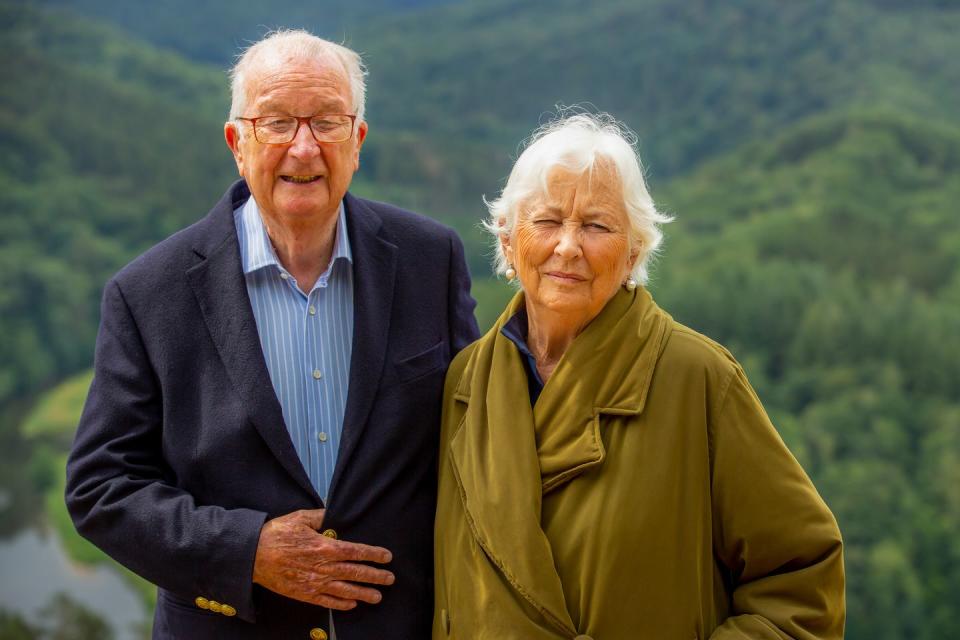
(302, 180)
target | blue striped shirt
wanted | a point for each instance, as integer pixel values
(307, 339)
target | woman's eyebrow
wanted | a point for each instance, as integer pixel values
(599, 212)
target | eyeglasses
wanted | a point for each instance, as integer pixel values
(332, 127)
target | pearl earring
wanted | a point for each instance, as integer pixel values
(510, 273)
(630, 284)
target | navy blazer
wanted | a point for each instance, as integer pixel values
(182, 452)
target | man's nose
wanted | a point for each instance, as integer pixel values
(303, 142)
(569, 243)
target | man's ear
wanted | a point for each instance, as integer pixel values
(361, 136)
(231, 133)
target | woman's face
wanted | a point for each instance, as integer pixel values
(570, 246)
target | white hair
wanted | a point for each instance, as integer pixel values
(283, 45)
(576, 143)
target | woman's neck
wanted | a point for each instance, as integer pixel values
(549, 335)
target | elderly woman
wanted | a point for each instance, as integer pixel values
(605, 471)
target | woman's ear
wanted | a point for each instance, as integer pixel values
(505, 241)
(635, 252)
(506, 247)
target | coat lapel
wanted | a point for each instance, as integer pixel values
(374, 275)
(506, 455)
(606, 370)
(221, 292)
(494, 459)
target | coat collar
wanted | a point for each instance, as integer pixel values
(221, 291)
(507, 455)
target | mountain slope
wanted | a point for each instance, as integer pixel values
(828, 260)
(108, 146)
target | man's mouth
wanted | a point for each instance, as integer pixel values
(300, 179)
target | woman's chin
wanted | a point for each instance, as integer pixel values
(566, 302)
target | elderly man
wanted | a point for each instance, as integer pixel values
(260, 436)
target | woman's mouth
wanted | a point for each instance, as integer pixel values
(563, 276)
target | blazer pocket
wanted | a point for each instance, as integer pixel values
(420, 364)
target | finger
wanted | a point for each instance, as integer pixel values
(356, 552)
(347, 591)
(357, 573)
(333, 602)
(313, 518)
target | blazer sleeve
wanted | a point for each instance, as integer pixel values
(121, 495)
(463, 324)
(777, 539)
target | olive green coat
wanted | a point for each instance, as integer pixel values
(646, 495)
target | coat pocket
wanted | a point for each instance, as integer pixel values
(420, 364)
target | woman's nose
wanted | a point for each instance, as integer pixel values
(568, 246)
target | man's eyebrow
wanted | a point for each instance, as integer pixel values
(326, 107)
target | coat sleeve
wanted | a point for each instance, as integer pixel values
(463, 324)
(773, 533)
(121, 494)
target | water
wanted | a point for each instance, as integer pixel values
(34, 568)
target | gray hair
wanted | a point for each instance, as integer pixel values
(285, 44)
(576, 143)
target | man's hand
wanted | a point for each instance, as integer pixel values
(296, 561)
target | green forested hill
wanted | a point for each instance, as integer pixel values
(97, 164)
(211, 31)
(828, 260)
(810, 151)
(695, 78)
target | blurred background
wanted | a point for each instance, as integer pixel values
(810, 151)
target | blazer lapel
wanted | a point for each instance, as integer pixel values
(374, 275)
(221, 292)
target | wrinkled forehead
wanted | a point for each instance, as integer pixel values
(296, 72)
(598, 180)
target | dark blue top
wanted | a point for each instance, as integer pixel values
(516, 331)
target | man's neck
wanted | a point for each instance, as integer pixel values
(303, 247)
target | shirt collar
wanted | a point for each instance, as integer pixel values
(256, 250)
(516, 330)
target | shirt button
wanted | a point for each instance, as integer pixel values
(312, 310)
(284, 275)
(318, 634)
(316, 374)
(322, 436)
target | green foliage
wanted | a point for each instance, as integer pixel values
(823, 258)
(97, 165)
(66, 619)
(56, 413)
(14, 627)
(816, 196)
(63, 618)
